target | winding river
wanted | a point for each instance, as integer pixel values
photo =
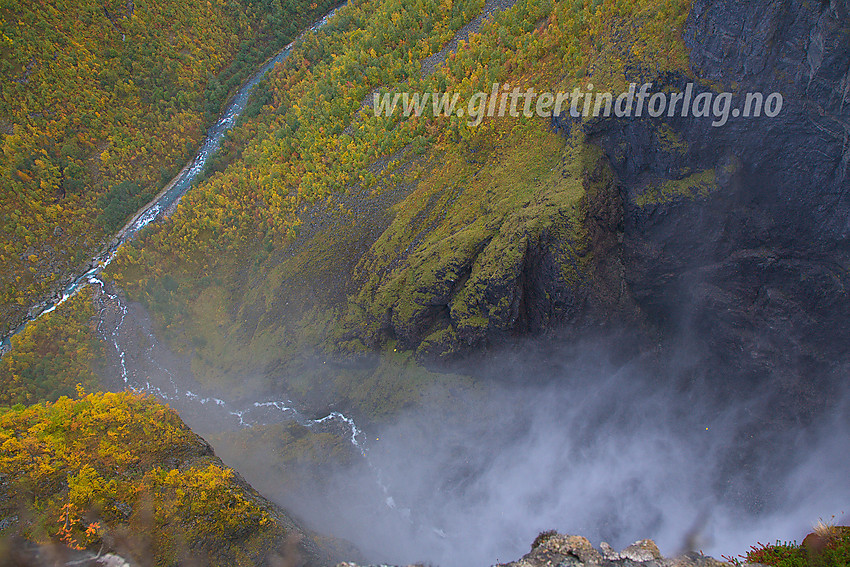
(165, 201)
(241, 414)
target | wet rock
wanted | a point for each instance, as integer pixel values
(112, 560)
(551, 549)
(577, 551)
(608, 552)
(735, 239)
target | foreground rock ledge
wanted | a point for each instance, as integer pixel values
(555, 550)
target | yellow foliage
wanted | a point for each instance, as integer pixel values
(76, 489)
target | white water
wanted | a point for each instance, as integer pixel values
(170, 388)
(169, 197)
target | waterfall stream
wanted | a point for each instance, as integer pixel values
(244, 414)
(170, 195)
(186, 395)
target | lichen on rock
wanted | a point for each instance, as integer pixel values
(551, 549)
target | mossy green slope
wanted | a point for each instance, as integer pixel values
(424, 235)
(447, 270)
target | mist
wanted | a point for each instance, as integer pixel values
(596, 437)
(613, 451)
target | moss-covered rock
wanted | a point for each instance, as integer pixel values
(476, 254)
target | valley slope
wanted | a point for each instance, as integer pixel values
(359, 262)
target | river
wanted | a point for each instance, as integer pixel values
(188, 393)
(167, 199)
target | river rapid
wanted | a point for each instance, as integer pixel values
(165, 201)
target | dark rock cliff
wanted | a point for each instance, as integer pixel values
(735, 237)
(731, 239)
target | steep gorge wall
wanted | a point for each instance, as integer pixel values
(730, 242)
(735, 238)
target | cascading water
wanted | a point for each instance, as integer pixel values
(187, 395)
(246, 413)
(113, 335)
(168, 198)
(250, 414)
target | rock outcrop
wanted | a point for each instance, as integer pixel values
(551, 549)
(129, 480)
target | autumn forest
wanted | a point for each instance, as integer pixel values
(326, 254)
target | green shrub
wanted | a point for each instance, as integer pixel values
(787, 554)
(836, 553)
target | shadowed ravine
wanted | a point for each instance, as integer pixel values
(685, 381)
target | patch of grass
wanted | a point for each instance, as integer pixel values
(669, 141)
(787, 554)
(696, 186)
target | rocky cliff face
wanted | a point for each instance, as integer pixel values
(735, 238)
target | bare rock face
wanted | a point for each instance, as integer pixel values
(641, 551)
(551, 549)
(735, 238)
(554, 549)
